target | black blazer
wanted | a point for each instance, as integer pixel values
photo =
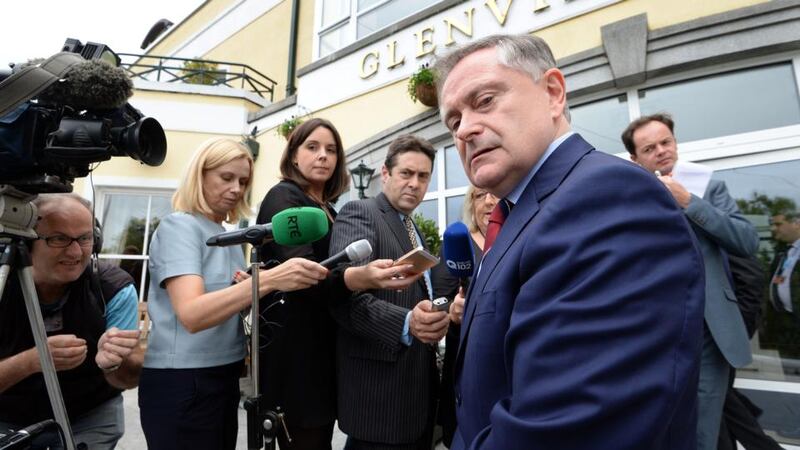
(386, 389)
(297, 364)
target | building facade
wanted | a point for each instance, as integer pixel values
(727, 70)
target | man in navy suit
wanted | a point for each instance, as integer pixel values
(583, 326)
(720, 228)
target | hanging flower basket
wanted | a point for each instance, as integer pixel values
(426, 94)
(421, 87)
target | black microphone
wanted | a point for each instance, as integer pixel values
(92, 85)
(357, 251)
(22, 438)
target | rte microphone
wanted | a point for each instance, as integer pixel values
(22, 438)
(292, 226)
(357, 251)
(457, 252)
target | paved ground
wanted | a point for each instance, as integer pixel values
(134, 438)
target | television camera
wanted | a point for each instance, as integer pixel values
(58, 117)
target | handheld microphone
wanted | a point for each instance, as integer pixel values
(457, 252)
(292, 226)
(22, 438)
(357, 251)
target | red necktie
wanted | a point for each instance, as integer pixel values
(496, 219)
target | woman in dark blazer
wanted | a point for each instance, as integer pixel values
(298, 374)
(478, 205)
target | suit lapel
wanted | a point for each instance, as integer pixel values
(392, 218)
(545, 182)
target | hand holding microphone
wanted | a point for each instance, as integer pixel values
(291, 275)
(427, 324)
(457, 307)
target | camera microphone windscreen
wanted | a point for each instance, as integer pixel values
(457, 250)
(92, 85)
(355, 252)
(292, 226)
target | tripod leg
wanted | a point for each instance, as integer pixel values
(48, 368)
(5, 267)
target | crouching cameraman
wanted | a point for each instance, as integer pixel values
(91, 320)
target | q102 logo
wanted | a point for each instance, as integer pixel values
(459, 265)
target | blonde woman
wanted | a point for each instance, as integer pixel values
(189, 390)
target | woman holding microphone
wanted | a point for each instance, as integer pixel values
(189, 387)
(298, 363)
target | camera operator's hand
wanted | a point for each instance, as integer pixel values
(291, 275)
(427, 325)
(115, 346)
(68, 352)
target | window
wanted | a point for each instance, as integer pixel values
(728, 103)
(601, 123)
(762, 192)
(343, 21)
(446, 190)
(129, 220)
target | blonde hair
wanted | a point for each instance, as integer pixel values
(467, 209)
(212, 154)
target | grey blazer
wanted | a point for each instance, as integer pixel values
(385, 389)
(719, 227)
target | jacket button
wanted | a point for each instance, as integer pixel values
(458, 399)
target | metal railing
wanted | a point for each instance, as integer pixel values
(168, 69)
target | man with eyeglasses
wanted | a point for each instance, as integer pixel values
(721, 230)
(90, 315)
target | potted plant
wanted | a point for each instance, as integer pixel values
(287, 126)
(421, 87)
(430, 232)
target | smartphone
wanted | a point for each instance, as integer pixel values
(420, 258)
(441, 304)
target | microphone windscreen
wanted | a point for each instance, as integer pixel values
(457, 250)
(92, 85)
(298, 226)
(359, 250)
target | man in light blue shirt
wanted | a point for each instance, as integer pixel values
(90, 316)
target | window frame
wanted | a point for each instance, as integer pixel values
(100, 194)
(349, 21)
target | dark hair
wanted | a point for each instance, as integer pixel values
(408, 143)
(339, 181)
(627, 135)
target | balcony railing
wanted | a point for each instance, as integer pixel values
(168, 69)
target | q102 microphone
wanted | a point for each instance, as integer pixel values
(357, 251)
(292, 226)
(457, 252)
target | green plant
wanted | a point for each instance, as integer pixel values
(423, 76)
(430, 232)
(287, 126)
(201, 72)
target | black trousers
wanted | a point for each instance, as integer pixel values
(190, 408)
(740, 423)
(317, 438)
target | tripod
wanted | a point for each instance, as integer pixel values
(17, 217)
(262, 425)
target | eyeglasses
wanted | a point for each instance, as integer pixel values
(61, 241)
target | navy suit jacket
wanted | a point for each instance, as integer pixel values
(583, 327)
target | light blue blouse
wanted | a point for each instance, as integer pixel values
(179, 248)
